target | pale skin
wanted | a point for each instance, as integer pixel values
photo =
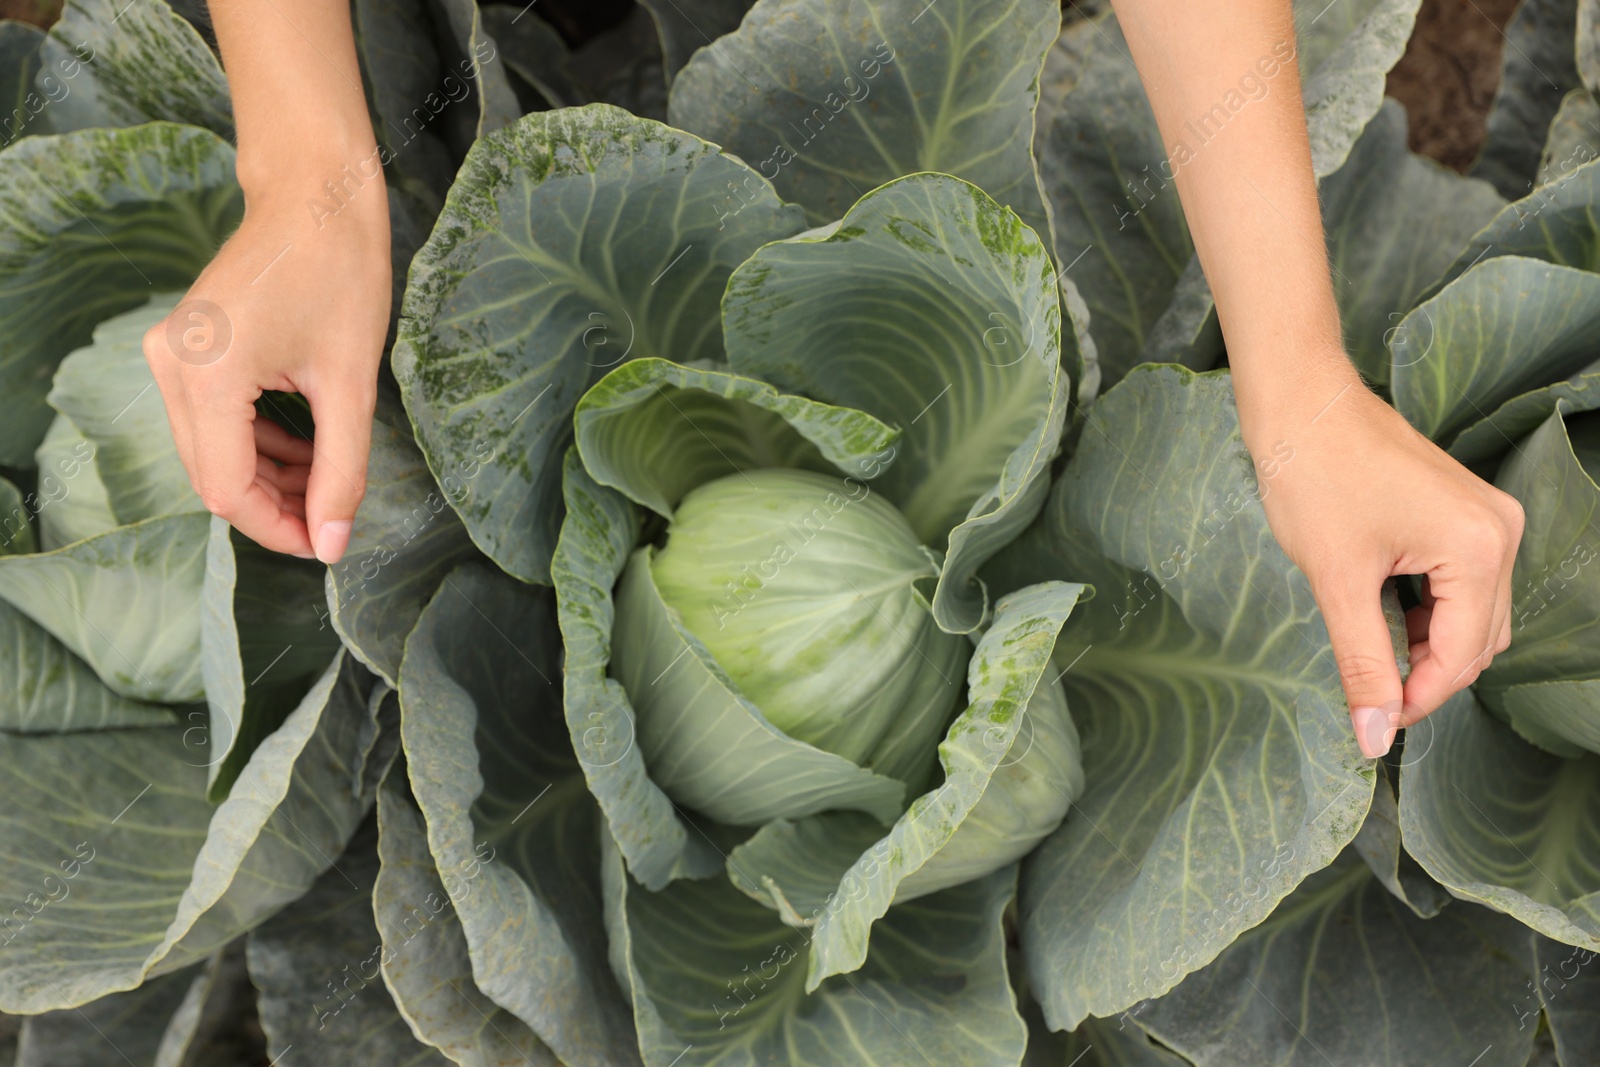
(306, 296)
(1337, 509)
(308, 304)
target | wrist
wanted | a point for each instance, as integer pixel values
(343, 180)
(301, 148)
(1280, 397)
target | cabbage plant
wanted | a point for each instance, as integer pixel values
(812, 602)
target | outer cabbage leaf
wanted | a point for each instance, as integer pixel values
(1538, 68)
(1501, 822)
(932, 308)
(491, 770)
(1566, 984)
(1547, 684)
(598, 534)
(124, 602)
(1216, 741)
(133, 1025)
(326, 944)
(716, 978)
(182, 878)
(952, 88)
(262, 644)
(132, 64)
(1346, 51)
(48, 689)
(109, 394)
(534, 56)
(1509, 423)
(623, 66)
(1558, 223)
(406, 538)
(1097, 1043)
(571, 241)
(1342, 972)
(1394, 220)
(425, 961)
(90, 224)
(16, 533)
(477, 61)
(1379, 844)
(1011, 769)
(1571, 141)
(1588, 53)
(397, 46)
(1506, 326)
(74, 502)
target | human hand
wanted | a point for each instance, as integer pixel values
(292, 302)
(1365, 497)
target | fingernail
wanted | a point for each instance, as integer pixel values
(303, 555)
(332, 537)
(1374, 731)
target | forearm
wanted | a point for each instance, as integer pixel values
(1225, 87)
(298, 103)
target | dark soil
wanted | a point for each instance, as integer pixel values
(1448, 76)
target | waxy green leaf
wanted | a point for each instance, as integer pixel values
(716, 978)
(511, 828)
(829, 99)
(571, 241)
(91, 223)
(1220, 768)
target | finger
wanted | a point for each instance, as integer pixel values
(1365, 655)
(274, 441)
(165, 369)
(1460, 638)
(286, 479)
(342, 411)
(295, 505)
(225, 455)
(1504, 641)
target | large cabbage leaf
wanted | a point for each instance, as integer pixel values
(123, 815)
(830, 99)
(1342, 972)
(715, 978)
(91, 223)
(508, 819)
(570, 242)
(425, 959)
(1220, 768)
(1500, 821)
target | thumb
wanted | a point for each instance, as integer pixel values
(1365, 654)
(342, 412)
